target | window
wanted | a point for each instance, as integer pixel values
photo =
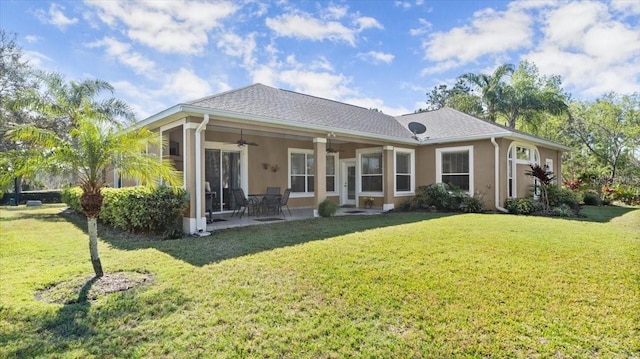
(510, 170)
(523, 153)
(454, 166)
(519, 154)
(404, 168)
(371, 172)
(331, 172)
(548, 164)
(301, 171)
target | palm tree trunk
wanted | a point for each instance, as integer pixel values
(92, 223)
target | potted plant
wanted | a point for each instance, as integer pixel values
(368, 202)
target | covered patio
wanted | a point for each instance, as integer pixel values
(226, 220)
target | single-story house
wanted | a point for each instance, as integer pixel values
(260, 136)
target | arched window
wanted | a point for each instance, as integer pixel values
(520, 153)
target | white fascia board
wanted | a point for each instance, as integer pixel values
(543, 142)
(508, 135)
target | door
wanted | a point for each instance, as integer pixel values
(348, 179)
(223, 172)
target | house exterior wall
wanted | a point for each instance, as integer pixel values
(483, 167)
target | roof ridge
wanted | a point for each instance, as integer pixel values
(335, 101)
(228, 92)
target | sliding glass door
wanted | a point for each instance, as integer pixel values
(223, 171)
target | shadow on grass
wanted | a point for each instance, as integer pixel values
(603, 214)
(238, 242)
(80, 329)
(22, 212)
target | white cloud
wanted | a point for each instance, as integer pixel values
(440, 67)
(626, 7)
(55, 16)
(336, 12)
(425, 27)
(590, 48)
(36, 59)
(239, 46)
(185, 85)
(32, 38)
(167, 26)
(403, 4)
(566, 25)
(366, 22)
(304, 26)
(490, 32)
(124, 54)
(376, 57)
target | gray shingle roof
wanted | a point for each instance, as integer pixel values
(448, 123)
(264, 101)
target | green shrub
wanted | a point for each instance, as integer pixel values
(71, 197)
(440, 195)
(627, 194)
(559, 196)
(137, 209)
(562, 211)
(520, 205)
(591, 199)
(327, 208)
(472, 205)
(406, 204)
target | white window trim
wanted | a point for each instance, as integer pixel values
(289, 152)
(548, 163)
(359, 153)
(336, 173)
(533, 152)
(412, 171)
(440, 151)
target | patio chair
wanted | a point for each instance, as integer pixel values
(243, 203)
(283, 201)
(271, 203)
(273, 190)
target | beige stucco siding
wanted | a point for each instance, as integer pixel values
(483, 169)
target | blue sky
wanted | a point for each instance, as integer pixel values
(376, 54)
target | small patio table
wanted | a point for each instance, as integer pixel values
(263, 200)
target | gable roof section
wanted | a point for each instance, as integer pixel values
(299, 109)
(449, 125)
(446, 123)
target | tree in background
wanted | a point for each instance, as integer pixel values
(15, 77)
(517, 97)
(491, 88)
(458, 97)
(609, 130)
(529, 97)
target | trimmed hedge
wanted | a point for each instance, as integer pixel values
(447, 198)
(137, 209)
(43, 196)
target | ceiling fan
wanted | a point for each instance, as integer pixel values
(331, 149)
(242, 142)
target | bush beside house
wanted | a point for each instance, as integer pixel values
(137, 209)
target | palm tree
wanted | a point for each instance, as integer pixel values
(491, 87)
(92, 147)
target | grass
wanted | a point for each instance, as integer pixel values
(396, 285)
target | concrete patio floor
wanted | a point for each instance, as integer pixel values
(225, 220)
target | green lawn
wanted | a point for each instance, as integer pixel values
(394, 285)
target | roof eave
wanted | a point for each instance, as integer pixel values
(510, 135)
(198, 110)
